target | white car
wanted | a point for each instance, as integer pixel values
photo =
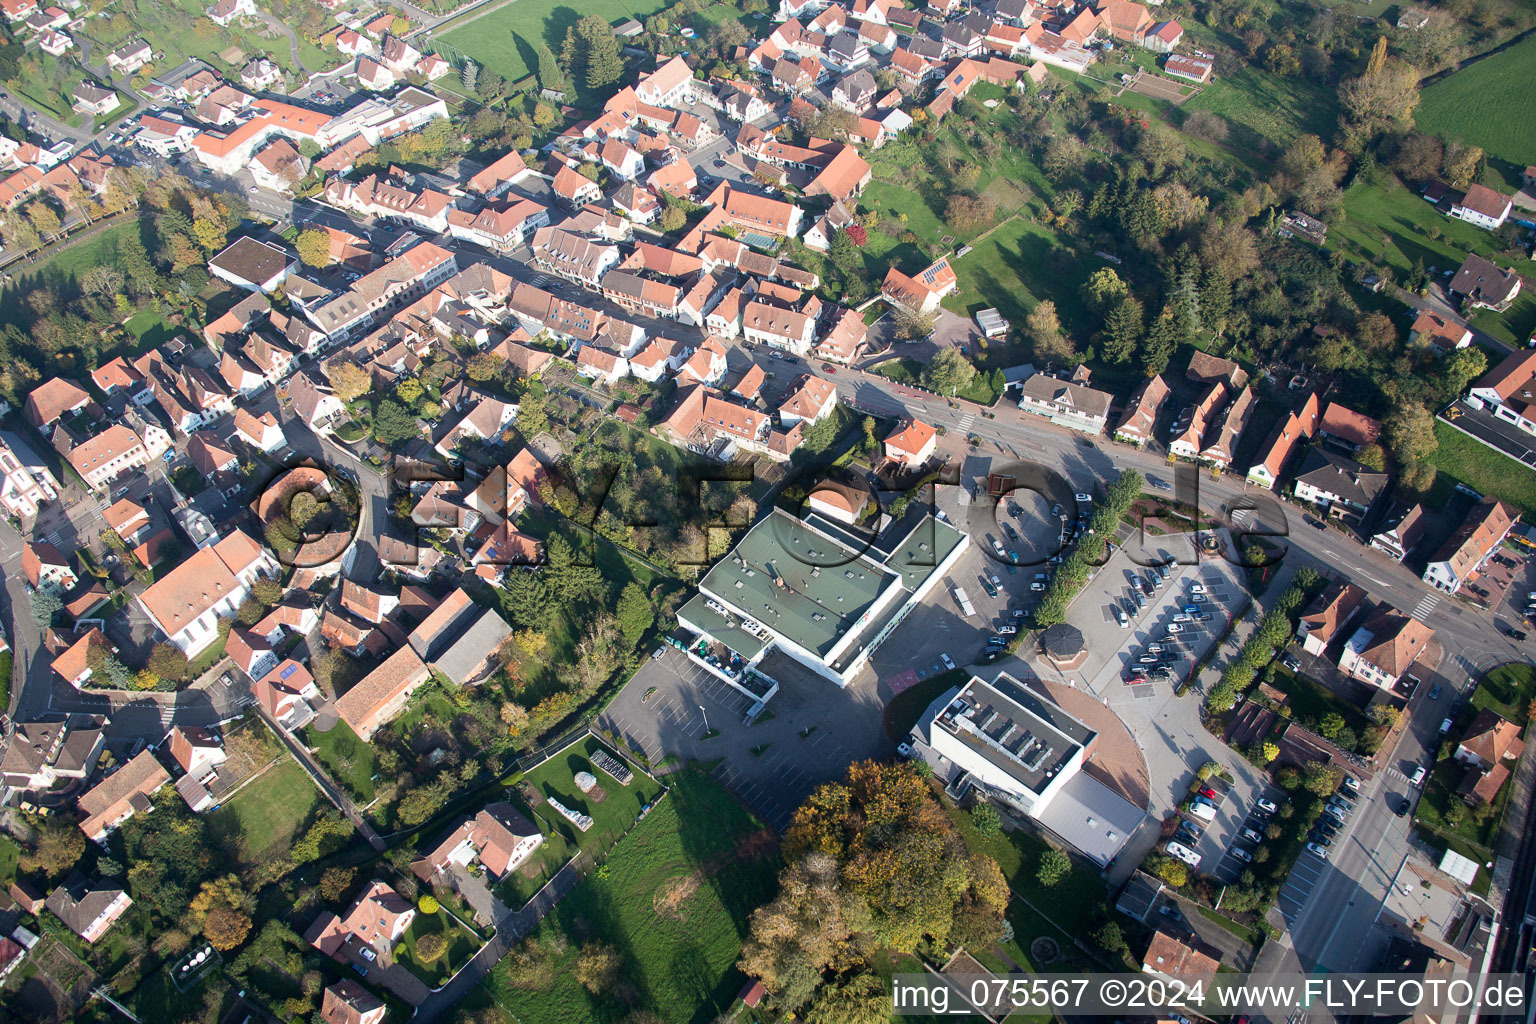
(1320, 851)
(1037, 587)
(1181, 617)
(1175, 628)
(1085, 497)
(1418, 776)
(948, 663)
(1125, 623)
(1198, 588)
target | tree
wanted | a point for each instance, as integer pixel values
(349, 382)
(430, 947)
(844, 253)
(1462, 163)
(225, 927)
(598, 966)
(550, 75)
(1459, 369)
(1110, 939)
(168, 662)
(599, 52)
(1268, 751)
(59, 847)
(514, 717)
(1044, 329)
(1172, 871)
(858, 998)
(314, 247)
(1123, 328)
(949, 372)
(1381, 100)
(1410, 433)
(469, 75)
(45, 605)
(909, 324)
(335, 882)
(985, 820)
(428, 904)
(1103, 290)
(1321, 778)
(302, 509)
(393, 422)
(1158, 346)
(1054, 866)
(634, 612)
(672, 218)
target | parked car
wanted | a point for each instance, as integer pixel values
(1418, 776)
(1321, 839)
(1320, 851)
(367, 953)
(1208, 792)
(1170, 911)
(1241, 854)
(1268, 806)
(1008, 629)
(1175, 628)
(1251, 835)
(1037, 587)
(1434, 692)
(1197, 588)
(1181, 617)
(1084, 498)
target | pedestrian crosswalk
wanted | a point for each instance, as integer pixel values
(1425, 606)
(966, 421)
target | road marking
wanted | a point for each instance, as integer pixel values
(1425, 606)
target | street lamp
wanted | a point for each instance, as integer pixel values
(706, 718)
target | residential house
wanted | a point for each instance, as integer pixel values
(1383, 648)
(811, 401)
(279, 167)
(1194, 421)
(288, 693)
(121, 795)
(347, 1002)
(1174, 957)
(45, 567)
(382, 694)
(1401, 532)
(1163, 37)
(498, 837)
(163, 137)
(26, 484)
(51, 401)
(1327, 616)
(1489, 740)
(1483, 285)
(376, 921)
(484, 420)
(1221, 443)
(87, 908)
(1298, 425)
(1209, 369)
(103, 458)
(1466, 551)
(706, 366)
(1124, 20)
(316, 408)
(251, 652)
(260, 432)
(1439, 334)
(843, 177)
(845, 340)
(922, 292)
(1065, 403)
(44, 752)
(575, 188)
(223, 13)
(912, 444)
(1141, 412)
(670, 85)
(54, 43)
(1340, 486)
(572, 256)
(500, 227)
(1483, 206)
(261, 74)
(499, 176)
(1509, 390)
(1348, 429)
(704, 421)
(90, 98)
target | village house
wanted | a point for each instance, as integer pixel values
(289, 694)
(382, 694)
(87, 908)
(1065, 403)
(186, 603)
(912, 444)
(1383, 648)
(1483, 285)
(347, 1002)
(1483, 206)
(1467, 550)
(1400, 532)
(120, 795)
(1339, 486)
(1328, 615)
(377, 920)
(58, 747)
(498, 837)
(1141, 412)
(1348, 429)
(1509, 390)
(1438, 334)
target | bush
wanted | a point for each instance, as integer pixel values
(428, 904)
(430, 947)
(987, 823)
(1054, 866)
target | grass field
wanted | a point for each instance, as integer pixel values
(610, 817)
(1516, 324)
(1015, 267)
(1266, 106)
(1487, 104)
(1386, 222)
(1312, 702)
(348, 759)
(507, 39)
(1508, 691)
(10, 855)
(67, 264)
(673, 898)
(267, 813)
(1465, 460)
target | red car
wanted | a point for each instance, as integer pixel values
(828, 368)
(1208, 792)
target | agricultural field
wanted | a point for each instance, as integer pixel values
(267, 813)
(673, 899)
(1487, 105)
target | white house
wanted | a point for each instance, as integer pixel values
(186, 604)
(1483, 206)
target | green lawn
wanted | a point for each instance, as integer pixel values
(1249, 935)
(507, 39)
(151, 329)
(610, 817)
(1310, 702)
(1389, 223)
(674, 899)
(10, 856)
(1508, 691)
(1515, 325)
(1014, 268)
(67, 263)
(1487, 104)
(1440, 796)
(1266, 106)
(349, 760)
(1465, 460)
(461, 946)
(267, 813)
(552, 854)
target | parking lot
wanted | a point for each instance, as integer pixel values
(813, 729)
(1237, 825)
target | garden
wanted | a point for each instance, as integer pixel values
(612, 807)
(267, 813)
(436, 946)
